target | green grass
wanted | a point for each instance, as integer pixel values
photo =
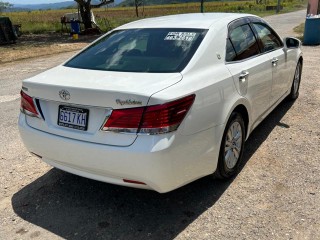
(49, 21)
(300, 30)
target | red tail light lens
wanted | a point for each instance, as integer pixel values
(166, 117)
(150, 120)
(133, 181)
(27, 105)
(124, 120)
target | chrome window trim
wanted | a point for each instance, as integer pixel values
(254, 56)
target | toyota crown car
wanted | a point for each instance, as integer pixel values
(160, 102)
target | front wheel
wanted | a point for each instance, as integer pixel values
(231, 149)
(294, 93)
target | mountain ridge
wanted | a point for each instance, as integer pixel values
(46, 6)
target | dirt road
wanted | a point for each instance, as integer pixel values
(275, 196)
(284, 23)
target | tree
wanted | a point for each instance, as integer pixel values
(85, 7)
(4, 5)
(202, 6)
(137, 4)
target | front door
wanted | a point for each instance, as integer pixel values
(271, 45)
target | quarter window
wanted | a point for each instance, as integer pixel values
(230, 52)
(244, 43)
(268, 41)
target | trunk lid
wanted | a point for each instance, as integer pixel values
(96, 91)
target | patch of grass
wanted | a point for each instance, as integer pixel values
(107, 18)
(300, 30)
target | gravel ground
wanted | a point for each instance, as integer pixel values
(275, 196)
(39, 45)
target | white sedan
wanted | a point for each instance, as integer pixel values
(160, 102)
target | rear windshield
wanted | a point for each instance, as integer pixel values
(141, 50)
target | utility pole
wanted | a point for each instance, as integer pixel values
(278, 6)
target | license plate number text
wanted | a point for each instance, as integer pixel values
(73, 117)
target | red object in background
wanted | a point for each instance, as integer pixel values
(313, 7)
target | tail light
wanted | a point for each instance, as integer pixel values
(124, 120)
(133, 181)
(155, 119)
(28, 106)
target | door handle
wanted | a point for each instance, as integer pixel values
(243, 76)
(274, 61)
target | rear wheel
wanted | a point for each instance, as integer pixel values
(294, 94)
(231, 149)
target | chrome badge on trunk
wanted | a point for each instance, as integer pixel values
(64, 95)
(128, 102)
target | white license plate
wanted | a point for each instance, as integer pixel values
(73, 117)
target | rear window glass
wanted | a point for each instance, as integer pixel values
(141, 50)
(243, 42)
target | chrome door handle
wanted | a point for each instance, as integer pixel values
(243, 76)
(274, 61)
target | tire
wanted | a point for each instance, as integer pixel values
(231, 149)
(294, 93)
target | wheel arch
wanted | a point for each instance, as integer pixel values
(242, 107)
(242, 110)
(238, 109)
(301, 60)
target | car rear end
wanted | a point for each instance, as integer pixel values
(140, 146)
(92, 117)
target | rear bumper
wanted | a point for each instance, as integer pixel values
(163, 162)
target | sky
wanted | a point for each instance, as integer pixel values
(33, 1)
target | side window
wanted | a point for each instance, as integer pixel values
(243, 42)
(268, 41)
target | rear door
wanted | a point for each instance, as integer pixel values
(251, 71)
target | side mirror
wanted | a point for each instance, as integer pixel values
(291, 42)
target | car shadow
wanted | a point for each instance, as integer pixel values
(73, 207)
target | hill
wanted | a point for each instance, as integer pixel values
(46, 6)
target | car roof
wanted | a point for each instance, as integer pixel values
(189, 20)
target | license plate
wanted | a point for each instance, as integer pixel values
(73, 117)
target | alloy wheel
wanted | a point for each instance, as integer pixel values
(233, 145)
(296, 80)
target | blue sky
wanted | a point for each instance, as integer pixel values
(33, 1)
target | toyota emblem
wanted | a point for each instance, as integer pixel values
(64, 94)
